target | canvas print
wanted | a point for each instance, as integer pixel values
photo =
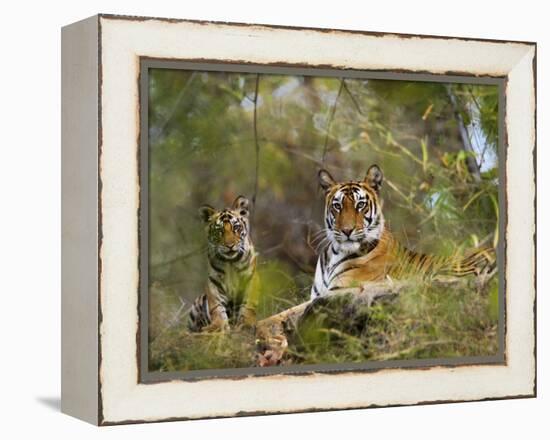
(305, 220)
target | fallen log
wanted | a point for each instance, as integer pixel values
(272, 332)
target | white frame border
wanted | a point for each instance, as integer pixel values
(122, 42)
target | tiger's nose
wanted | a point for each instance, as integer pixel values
(347, 231)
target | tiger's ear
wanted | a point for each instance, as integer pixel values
(325, 180)
(242, 205)
(374, 178)
(206, 212)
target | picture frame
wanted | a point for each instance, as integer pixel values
(106, 60)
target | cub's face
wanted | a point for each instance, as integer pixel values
(227, 230)
(353, 214)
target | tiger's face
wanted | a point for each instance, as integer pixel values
(227, 230)
(353, 215)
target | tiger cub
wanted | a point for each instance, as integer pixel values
(362, 249)
(231, 293)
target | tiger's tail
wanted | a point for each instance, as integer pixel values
(476, 262)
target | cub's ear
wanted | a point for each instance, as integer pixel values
(325, 180)
(374, 178)
(206, 212)
(242, 205)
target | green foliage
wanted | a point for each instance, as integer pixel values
(430, 322)
(179, 350)
(279, 290)
(202, 149)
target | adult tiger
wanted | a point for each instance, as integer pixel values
(232, 292)
(362, 249)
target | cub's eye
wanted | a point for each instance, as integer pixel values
(361, 205)
(237, 228)
(337, 206)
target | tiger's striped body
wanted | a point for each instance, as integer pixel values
(231, 291)
(361, 249)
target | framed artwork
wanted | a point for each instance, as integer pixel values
(262, 219)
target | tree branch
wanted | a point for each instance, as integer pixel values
(256, 143)
(181, 257)
(331, 117)
(355, 103)
(272, 332)
(471, 163)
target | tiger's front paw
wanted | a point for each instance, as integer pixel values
(271, 353)
(247, 319)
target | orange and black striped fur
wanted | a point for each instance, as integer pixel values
(231, 293)
(360, 248)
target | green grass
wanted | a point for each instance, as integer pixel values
(179, 350)
(424, 322)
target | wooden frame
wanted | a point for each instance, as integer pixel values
(101, 201)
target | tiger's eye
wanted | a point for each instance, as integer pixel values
(361, 205)
(337, 206)
(216, 231)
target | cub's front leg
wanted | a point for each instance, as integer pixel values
(247, 317)
(219, 321)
